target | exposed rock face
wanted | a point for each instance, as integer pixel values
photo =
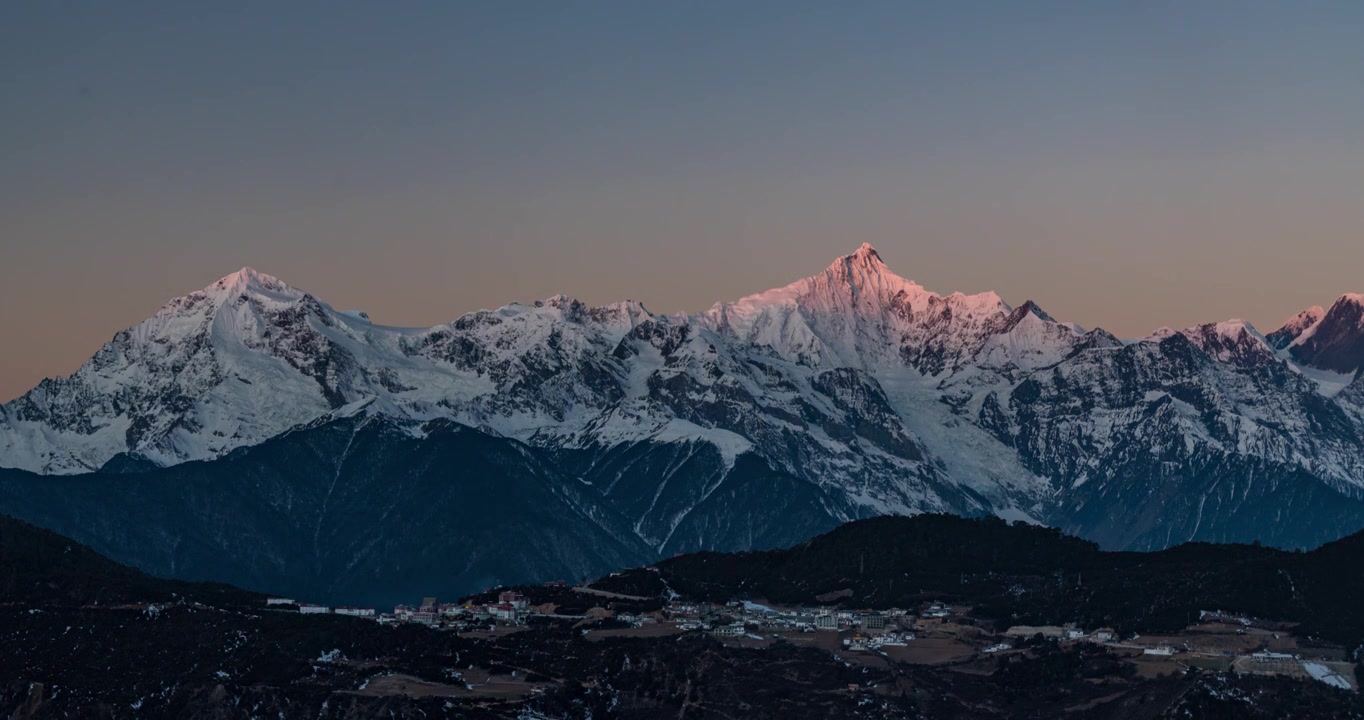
(1334, 342)
(851, 393)
(1291, 330)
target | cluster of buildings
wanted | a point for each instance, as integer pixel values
(510, 608)
(738, 618)
(863, 642)
(1054, 632)
(857, 630)
(864, 629)
(314, 609)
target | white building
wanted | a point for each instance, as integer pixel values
(279, 601)
(731, 630)
(355, 611)
(503, 611)
(311, 609)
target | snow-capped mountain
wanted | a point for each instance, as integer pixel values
(1333, 340)
(850, 393)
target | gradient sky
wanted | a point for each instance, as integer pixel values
(1125, 164)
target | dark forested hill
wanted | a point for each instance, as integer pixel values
(40, 567)
(354, 511)
(1037, 574)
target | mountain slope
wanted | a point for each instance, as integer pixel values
(354, 510)
(365, 509)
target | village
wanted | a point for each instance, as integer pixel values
(934, 633)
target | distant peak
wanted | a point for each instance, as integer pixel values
(1234, 326)
(863, 265)
(1296, 327)
(248, 276)
(865, 259)
(623, 314)
(1347, 310)
(866, 251)
(1226, 328)
(1336, 341)
(246, 273)
(1030, 308)
(1306, 317)
(251, 280)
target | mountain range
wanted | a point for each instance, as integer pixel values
(250, 433)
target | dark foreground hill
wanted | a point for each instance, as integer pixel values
(1034, 575)
(40, 567)
(83, 637)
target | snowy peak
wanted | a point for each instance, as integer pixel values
(1335, 342)
(242, 305)
(249, 280)
(1235, 327)
(860, 281)
(863, 265)
(1234, 341)
(246, 277)
(870, 281)
(857, 279)
(232, 364)
(858, 313)
(185, 314)
(1023, 340)
(867, 252)
(1029, 309)
(616, 318)
(1296, 325)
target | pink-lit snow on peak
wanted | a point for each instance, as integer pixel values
(248, 278)
(862, 278)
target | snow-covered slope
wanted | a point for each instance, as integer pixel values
(857, 313)
(856, 389)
